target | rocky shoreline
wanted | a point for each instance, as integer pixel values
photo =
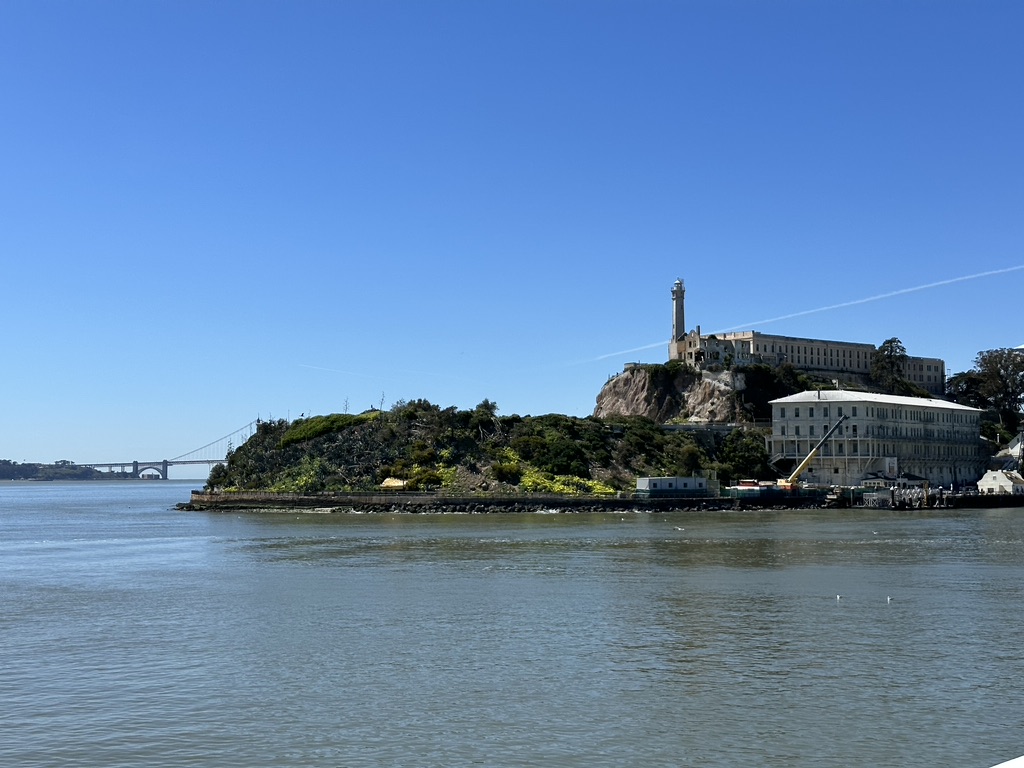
(473, 505)
(434, 504)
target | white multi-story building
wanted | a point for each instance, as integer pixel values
(830, 358)
(884, 435)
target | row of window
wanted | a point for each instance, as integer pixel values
(896, 414)
(798, 349)
(878, 449)
(883, 430)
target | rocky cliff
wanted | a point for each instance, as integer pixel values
(666, 393)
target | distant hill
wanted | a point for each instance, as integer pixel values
(61, 470)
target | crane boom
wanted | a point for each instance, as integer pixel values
(790, 481)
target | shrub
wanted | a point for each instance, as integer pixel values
(507, 472)
(317, 426)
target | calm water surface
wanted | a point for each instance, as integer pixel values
(134, 635)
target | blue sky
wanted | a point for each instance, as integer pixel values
(213, 211)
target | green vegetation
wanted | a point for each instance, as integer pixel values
(60, 470)
(888, 368)
(765, 383)
(996, 385)
(468, 451)
(315, 426)
(671, 374)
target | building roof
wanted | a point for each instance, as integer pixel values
(1009, 475)
(849, 395)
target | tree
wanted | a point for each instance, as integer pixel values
(888, 366)
(765, 383)
(218, 477)
(484, 418)
(1001, 373)
(744, 450)
(964, 388)
(681, 456)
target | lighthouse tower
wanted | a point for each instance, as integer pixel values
(675, 347)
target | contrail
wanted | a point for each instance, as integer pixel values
(628, 351)
(879, 297)
(852, 303)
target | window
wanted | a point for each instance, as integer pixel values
(796, 430)
(812, 430)
(824, 412)
(810, 413)
(854, 409)
(796, 413)
(782, 413)
(840, 410)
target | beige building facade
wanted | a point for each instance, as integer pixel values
(883, 435)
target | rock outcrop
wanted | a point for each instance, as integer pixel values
(665, 393)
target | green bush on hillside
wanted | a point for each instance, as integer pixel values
(317, 426)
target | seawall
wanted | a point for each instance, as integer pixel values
(429, 503)
(426, 503)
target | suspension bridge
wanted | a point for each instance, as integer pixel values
(210, 454)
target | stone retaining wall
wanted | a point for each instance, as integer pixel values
(433, 504)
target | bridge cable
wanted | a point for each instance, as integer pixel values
(238, 431)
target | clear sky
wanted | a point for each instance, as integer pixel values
(213, 211)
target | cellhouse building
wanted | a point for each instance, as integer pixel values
(884, 438)
(844, 359)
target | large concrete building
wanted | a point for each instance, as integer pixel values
(812, 355)
(884, 436)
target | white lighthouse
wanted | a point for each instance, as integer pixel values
(678, 320)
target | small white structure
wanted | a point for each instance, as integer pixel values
(1013, 450)
(1001, 481)
(672, 486)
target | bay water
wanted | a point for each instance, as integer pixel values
(133, 634)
